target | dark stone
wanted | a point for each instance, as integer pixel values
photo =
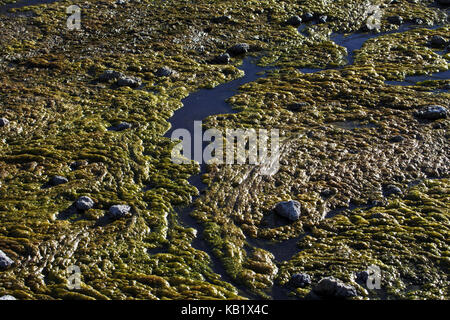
(118, 211)
(289, 209)
(308, 16)
(328, 193)
(238, 49)
(397, 138)
(5, 261)
(331, 287)
(444, 2)
(300, 280)
(222, 59)
(121, 126)
(221, 19)
(77, 164)
(294, 21)
(391, 189)
(3, 122)
(432, 112)
(84, 203)
(362, 276)
(57, 180)
(323, 19)
(298, 106)
(164, 72)
(438, 42)
(395, 20)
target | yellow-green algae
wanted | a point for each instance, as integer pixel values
(59, 114)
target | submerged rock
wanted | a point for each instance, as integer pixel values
(57, 180)
(7, 297)
(4, 122)
(84, 203)
(294, 21)
(432, 113)
(119, 210)
(164, 72)
(238, 49)
(5, 261)
(301, 280)
(332, 287)
(289, 209)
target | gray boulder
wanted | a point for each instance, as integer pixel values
(3, 122)
(238, 49)
(109, 75)
(164, 72)
(7, 297)
(301, 280)
(127, 81)
(332, 287)
(433, 112)
(119, 210)
(289, 209)
(391, 189)
(57, 180)
(5, 261)
(84, 203)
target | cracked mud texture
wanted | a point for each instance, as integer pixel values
(60, 114)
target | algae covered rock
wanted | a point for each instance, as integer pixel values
(332, 287)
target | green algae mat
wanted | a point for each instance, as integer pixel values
(369, 170)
